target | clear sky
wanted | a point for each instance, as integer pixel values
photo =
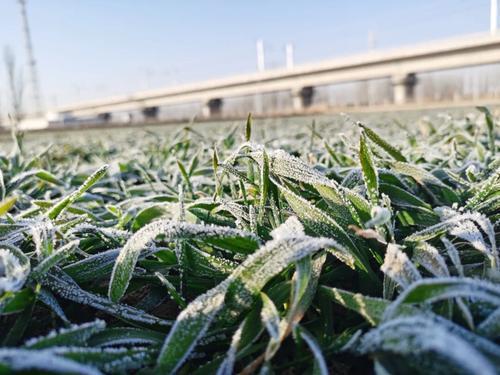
(96, 48)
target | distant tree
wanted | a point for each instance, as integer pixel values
(16, 86)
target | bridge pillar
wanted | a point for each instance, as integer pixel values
(302, 98)
(104, 117)
(150, 113)
(212, 108)
(404, 87)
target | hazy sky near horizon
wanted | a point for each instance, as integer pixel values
(93, 48)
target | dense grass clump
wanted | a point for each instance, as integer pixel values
(254, 249)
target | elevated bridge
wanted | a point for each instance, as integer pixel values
(401, 65)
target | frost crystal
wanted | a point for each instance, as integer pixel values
(467, 226)
(316, 350)
(420, 336)
(75, 334)
(45, 360)
(490, 327)
(469, 232)
(12, 273)
(64, 286)
(398, 267)
(291, 228)
(127, 259)
(237, 291)
(237, 210)
(42, 233)
(454, 256)
(429, 258)
(270, 317)
(108, 232)
(286, 165)
(226, 368)
(380, 216)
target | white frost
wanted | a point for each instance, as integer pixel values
(398, 267)
(12, 273)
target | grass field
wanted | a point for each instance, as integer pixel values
(292, 247)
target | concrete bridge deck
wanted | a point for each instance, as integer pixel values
(401, 65)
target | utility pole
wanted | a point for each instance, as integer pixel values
(31, 59)
(289, 55)
(259, 107)
(260, 56)
(372, 42)
(493, 16)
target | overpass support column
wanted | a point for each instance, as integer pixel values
(404, 87)
(105, 116)
(302, 98)
(150, 113)
(212, 108)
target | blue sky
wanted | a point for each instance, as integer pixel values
(96, 48)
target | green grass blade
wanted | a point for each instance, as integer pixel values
(7, 204)
(382, 143)
(55, 211)
(53, 259)
(490, 123)
(371, 308)
(323, 225)
(315, 349)
(370, 174)
(237, 292)
(42, 361)
(66, 288)
(264, 184)
(127, 258)
(77, 335)
(248, 128)
(437, 289)
(419, 338)
(190, 326)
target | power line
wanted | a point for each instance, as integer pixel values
(31, 59)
